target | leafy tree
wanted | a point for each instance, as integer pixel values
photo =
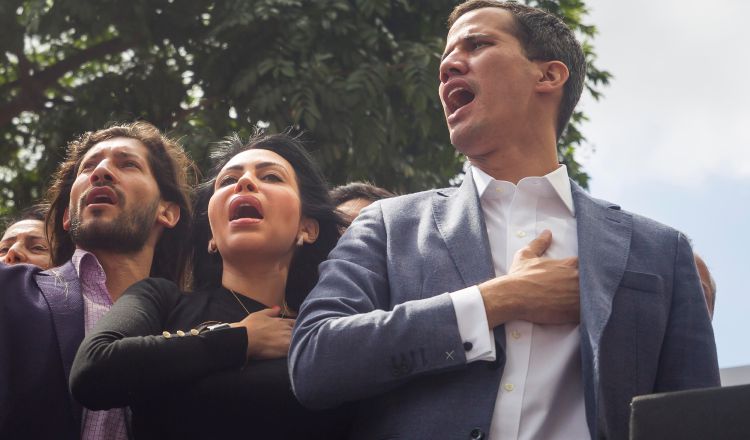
(358, 76)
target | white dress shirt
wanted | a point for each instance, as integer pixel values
(541, 389)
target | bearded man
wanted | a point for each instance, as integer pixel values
(119, 212)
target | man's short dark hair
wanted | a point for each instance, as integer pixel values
(174, 173)
(359, 190)
(543, 37)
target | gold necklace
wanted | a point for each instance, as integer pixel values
(238, 300)
(284, 308)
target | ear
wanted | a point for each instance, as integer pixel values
(66, 220)
(168, 214)
(308, 230)
(212, 249)
(553, 76)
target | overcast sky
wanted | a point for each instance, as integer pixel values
(671, 136)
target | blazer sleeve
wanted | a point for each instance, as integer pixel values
(688, 356)
(16, 315)
(125, 359)
(353, 339)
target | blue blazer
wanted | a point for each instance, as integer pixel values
(41, 327)
(644, 324)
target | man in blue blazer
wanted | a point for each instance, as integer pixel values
(445, 316)
(119, 212)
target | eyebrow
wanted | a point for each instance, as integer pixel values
(127, 155)
(118, 154)
(258, 166)
(27, 238)
(468, 37)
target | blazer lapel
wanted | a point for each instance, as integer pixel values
(604, 233)
(62, 290)
(459, 218)
(461, 224)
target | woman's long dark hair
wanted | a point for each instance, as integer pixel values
(316, 204)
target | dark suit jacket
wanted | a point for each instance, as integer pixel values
(379, 327)
(41, 326)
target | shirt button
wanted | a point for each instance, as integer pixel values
(166, 334)
(194, 332)
(508, 387)
(468, 346)
(180, 333)
(515, 334)
(520, 234)
(498, 189)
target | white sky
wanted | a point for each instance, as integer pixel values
(671, 136)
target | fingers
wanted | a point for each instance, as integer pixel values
(271, 312)
(538, 246)
(271, 335)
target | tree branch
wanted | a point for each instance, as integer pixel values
(31, 87)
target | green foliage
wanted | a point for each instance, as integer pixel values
(358, 76)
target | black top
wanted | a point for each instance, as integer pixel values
(192, 386)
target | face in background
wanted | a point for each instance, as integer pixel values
(350, 209)
(486, 81)
(256, 208)
(114, 199)
(25, 242)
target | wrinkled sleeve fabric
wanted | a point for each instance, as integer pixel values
(125, 359)
(355, 336)
(688, 357)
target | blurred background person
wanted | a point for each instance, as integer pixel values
(24, 240)
(352, 197)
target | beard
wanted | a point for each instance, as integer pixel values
(126, 234)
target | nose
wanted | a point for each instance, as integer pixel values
(451, 66)
(246, 183)
(15, 255)
(102, 173)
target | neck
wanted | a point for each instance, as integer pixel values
(123, 270)
(515, 161)
(262, 281)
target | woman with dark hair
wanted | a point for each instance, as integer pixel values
(212, 363)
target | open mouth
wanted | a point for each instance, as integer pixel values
(101, 195)
(245, 207)
(458, 98)
(457, 95)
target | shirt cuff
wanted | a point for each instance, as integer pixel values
(478, 340)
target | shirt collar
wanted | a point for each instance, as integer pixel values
(558, 180)
(87, 266)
